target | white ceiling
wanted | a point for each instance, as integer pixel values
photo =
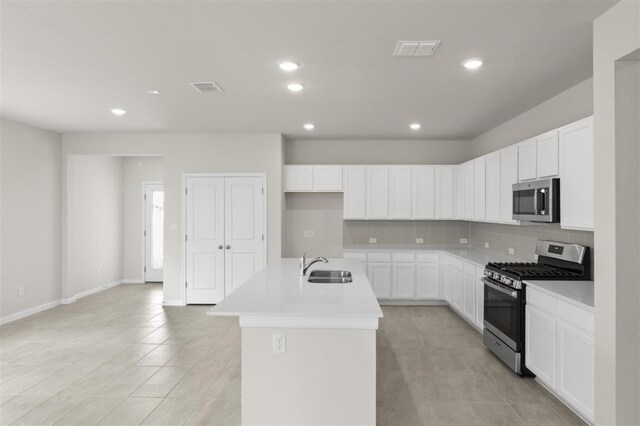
(65, 64)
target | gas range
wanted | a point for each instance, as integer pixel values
(513, 273)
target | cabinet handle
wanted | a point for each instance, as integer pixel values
(219, 247)
(228, 247)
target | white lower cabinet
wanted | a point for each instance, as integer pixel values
(457, 290)
(448, 284)
(479, 297)
(469, 296)
(427, 280)
(379, 274)
(559, 349)
(403, 280)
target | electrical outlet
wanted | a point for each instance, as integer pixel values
(419, 240)
(511, 251)
(21, 291)
(312, 233)
(486, 245)
(373, 240)
(279, 342)
(464, 241)
(98, 271)
(306, 234)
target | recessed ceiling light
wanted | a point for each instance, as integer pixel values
(153, 92)
(295, 87)
(309, 126)
(414, 126)
(118, 111)
(473, 63)
(289, 66)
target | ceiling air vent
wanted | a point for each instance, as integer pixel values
(207, 87)
(416, 47)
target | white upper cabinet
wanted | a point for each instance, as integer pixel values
(458, 193)
(423, 192)
(479, 188)
(576, 175)
(493, 187)
(400, 194)
(444, 192)
(377, 194)
(302, 178)
(547, 154)
(354, 192)
(299, 178)
(327, 178)
(469, 211)
(527, 151)
(508, 176)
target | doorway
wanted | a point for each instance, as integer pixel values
(225, 235)
(153, 231)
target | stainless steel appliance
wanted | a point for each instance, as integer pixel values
(504, 295)
(537, 201)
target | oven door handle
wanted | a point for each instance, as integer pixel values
(510, 293)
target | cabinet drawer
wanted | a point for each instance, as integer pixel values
(455, 262)
(356, 255)
(427, 257)
(576, 316)
(378, 257)
(469, 269)
(403, 257)
(541, 301)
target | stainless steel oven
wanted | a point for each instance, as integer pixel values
(504, 322)
(537, 201)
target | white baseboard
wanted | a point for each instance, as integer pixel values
(173, 303)
(30, 311)
(96, 290)
(69, 300)
(133, 281)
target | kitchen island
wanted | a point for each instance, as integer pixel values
(308, 350)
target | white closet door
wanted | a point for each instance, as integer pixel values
(244, 230)
(204, 220)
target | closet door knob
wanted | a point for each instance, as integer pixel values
(228, 247)
(219, 247)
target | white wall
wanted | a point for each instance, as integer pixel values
(569, 106)
(29, 217)
(136, 171)
(95, 217)
(616, 35)
(189, 153)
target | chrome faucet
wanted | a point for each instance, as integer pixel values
(304, 265)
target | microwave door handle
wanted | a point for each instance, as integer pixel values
(510, 293)
(535, 201)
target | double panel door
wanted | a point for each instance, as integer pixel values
(224, 240)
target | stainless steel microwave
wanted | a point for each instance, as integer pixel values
(537, 201)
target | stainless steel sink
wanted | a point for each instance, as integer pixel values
(330, 277)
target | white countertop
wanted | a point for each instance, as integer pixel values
(576, 292)
(278, 296)
(473, 255)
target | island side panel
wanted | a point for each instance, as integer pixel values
(326, 377)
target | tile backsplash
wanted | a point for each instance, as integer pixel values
(440, 232)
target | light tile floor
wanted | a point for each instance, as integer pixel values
(120, 358)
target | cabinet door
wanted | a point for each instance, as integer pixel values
(423, 192)
(576, 175)
(576, 368)
(540, 345)
(427, 280)
(457, 290)
(479, 188)
(493, 187)
(448, 284)
(547, 154)
(459, 192)
(527, 159)
(403, 280)
(299, 178)
(469, 211)
(379, 275)
(444, 192)
(400, 192)
(479, 298)
(469, 296)
(327, 178)
(354, 192)
(377, 192)
(508, 176)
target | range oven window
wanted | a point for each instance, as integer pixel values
(524, 201)
(504, 312)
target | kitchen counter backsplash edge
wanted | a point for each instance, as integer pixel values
(473, 255)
